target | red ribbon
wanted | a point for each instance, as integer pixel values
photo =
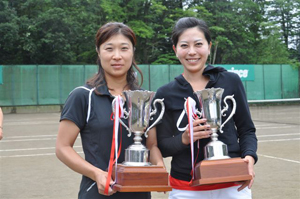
(119, 113)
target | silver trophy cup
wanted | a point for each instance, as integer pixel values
(210, 103)
(139, 114)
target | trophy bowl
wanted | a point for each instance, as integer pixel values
(217, 167)
(210, 103)
(139, 110)
(136, 174)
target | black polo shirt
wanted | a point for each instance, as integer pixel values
(96, 135)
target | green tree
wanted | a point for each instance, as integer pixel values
(280, 30)
(285, 14)
(9, 31)
(272, 51)
(234, 26)
(63, 32)
(173, 10)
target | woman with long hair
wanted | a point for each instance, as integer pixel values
(88, 109)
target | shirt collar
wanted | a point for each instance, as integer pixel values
(103, 89)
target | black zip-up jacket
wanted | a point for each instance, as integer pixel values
(239, 131)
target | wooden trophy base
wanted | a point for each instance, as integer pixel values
(221, 171)
(141, 179)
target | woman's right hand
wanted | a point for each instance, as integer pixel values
(100, 178)
(67, 134)
(201, 130)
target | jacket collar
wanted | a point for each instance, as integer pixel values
(210, 71)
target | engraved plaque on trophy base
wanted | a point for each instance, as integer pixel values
(221, 171)
(141, 179)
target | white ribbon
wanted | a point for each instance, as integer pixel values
(190, 106)
(190, 110)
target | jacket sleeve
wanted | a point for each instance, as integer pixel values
(244, 124)
(168, 137)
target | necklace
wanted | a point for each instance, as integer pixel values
(114, 93)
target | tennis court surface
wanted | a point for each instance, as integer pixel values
(29, 168)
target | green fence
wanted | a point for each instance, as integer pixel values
(51, 84)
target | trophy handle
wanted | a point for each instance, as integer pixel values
(184, 111)
(126, 114)
(226, 108)
(154, 112)
(198, 113)
(127, 128)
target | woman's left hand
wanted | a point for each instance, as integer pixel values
(249, 183)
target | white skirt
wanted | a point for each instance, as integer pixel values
(226, 193)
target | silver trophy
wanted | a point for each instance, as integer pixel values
(210, 103)
(139, 114)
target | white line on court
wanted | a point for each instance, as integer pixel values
(273, 124)
(32, 149)
(25, 140)
(37, 136)
(40, 139)
(23, 117)
(31, 155)
(29, 123)
(279, 140)
(48, 148)
(274, 135)
(29, 136)
(287, 160)
(276, 127)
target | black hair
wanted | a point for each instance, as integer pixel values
(103, 34)
(189, 22)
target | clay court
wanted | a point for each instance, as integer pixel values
(29, 168)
